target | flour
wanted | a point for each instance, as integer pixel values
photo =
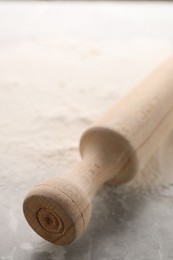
(51, 91)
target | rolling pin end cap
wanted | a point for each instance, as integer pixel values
(57, 215)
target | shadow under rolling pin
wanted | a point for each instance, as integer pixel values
(113, 150)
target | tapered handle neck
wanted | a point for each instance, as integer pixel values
(88, 175)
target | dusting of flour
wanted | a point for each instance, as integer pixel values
(52, 91)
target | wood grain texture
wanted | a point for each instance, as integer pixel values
(113, 149)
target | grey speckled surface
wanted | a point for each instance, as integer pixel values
(61, 65)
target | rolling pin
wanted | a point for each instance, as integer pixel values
(113, 149)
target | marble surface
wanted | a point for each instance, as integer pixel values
(61, 65)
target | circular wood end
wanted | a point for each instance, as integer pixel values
(53, 215)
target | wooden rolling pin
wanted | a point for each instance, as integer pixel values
(113, 149)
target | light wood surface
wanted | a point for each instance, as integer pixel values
(113, 149)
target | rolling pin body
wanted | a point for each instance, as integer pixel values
(113, 149)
